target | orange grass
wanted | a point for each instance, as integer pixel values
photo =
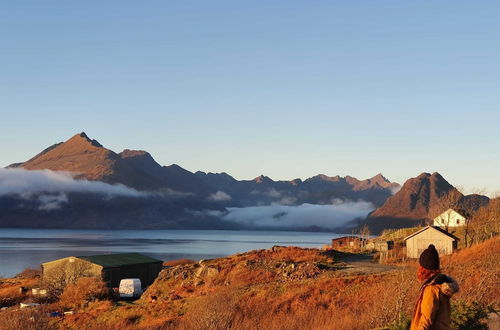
(284, 288)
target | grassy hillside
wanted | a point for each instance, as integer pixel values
(279, 288)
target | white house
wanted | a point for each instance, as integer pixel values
(443, 241)
(449, 218)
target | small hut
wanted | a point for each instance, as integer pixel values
(379, 245)
(417, 242)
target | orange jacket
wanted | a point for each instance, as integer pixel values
(432, 311)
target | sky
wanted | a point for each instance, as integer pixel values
(288, 89)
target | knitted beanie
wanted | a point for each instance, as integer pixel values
(429, 259)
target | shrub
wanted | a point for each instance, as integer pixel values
(470, 315)
(26, 319)
(215, 311)
(85, 290)
(401, 324)
(29, 273)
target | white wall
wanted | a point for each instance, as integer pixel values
(449, 218)
(417, 244)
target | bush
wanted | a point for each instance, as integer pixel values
(470, 315)
(215, 311)
(29, 273)
(402, 324)
(26, 319)
(85, 290)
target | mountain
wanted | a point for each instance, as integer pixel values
(89, 160)
(419, 200)
(416, 198)
(470, 204)
(165, 196)
(319, 189)
(94, 210)
(173, 177)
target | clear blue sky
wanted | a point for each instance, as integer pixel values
(283, 88)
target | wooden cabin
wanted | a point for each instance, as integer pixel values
(417, 242)
(379, 245)
(348, 242)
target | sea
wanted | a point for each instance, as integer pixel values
(28, 248)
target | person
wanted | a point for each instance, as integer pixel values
(432, 310)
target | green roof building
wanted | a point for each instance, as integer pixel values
(111, 268)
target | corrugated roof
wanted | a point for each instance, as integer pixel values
(116, 260)
(436, 228)
(348, 237)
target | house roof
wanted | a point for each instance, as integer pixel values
(116, 260)
(459, 212)
(348, 237)
(442, 231)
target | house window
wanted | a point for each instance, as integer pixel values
(458, 221)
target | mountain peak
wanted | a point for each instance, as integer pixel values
(380, 177)
(83, 138)
(437, 175)
(262, 179)
(416, 198)
(126, 153)
(327, 178)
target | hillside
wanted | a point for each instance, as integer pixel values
(281, 288)
(73, 196)
(419, 200)
(88, 159)
(415, 198)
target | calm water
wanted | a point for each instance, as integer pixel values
(22, 248)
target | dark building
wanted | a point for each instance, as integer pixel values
(111, 268)
(348, 242)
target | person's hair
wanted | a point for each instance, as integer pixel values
(424, 273)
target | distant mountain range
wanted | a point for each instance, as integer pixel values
(137, 169)
(178, 198)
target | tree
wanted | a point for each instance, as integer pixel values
(364, 232)
(470, 208)
(485, 223)
(66, 272)
(450, 200)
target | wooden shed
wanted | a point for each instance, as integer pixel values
(348, 242)
(380, 245)
(111, 268)
(417, 242)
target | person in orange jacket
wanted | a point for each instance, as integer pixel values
(432, 310)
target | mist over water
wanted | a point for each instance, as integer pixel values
(23, 182)
(330, 216)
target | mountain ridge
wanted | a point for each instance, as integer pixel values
(88, 159)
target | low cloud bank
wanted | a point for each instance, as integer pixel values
(394, 190)
(23, 182)
(333, 215)
(219, 196)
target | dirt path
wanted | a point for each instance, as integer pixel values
(362, 264)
